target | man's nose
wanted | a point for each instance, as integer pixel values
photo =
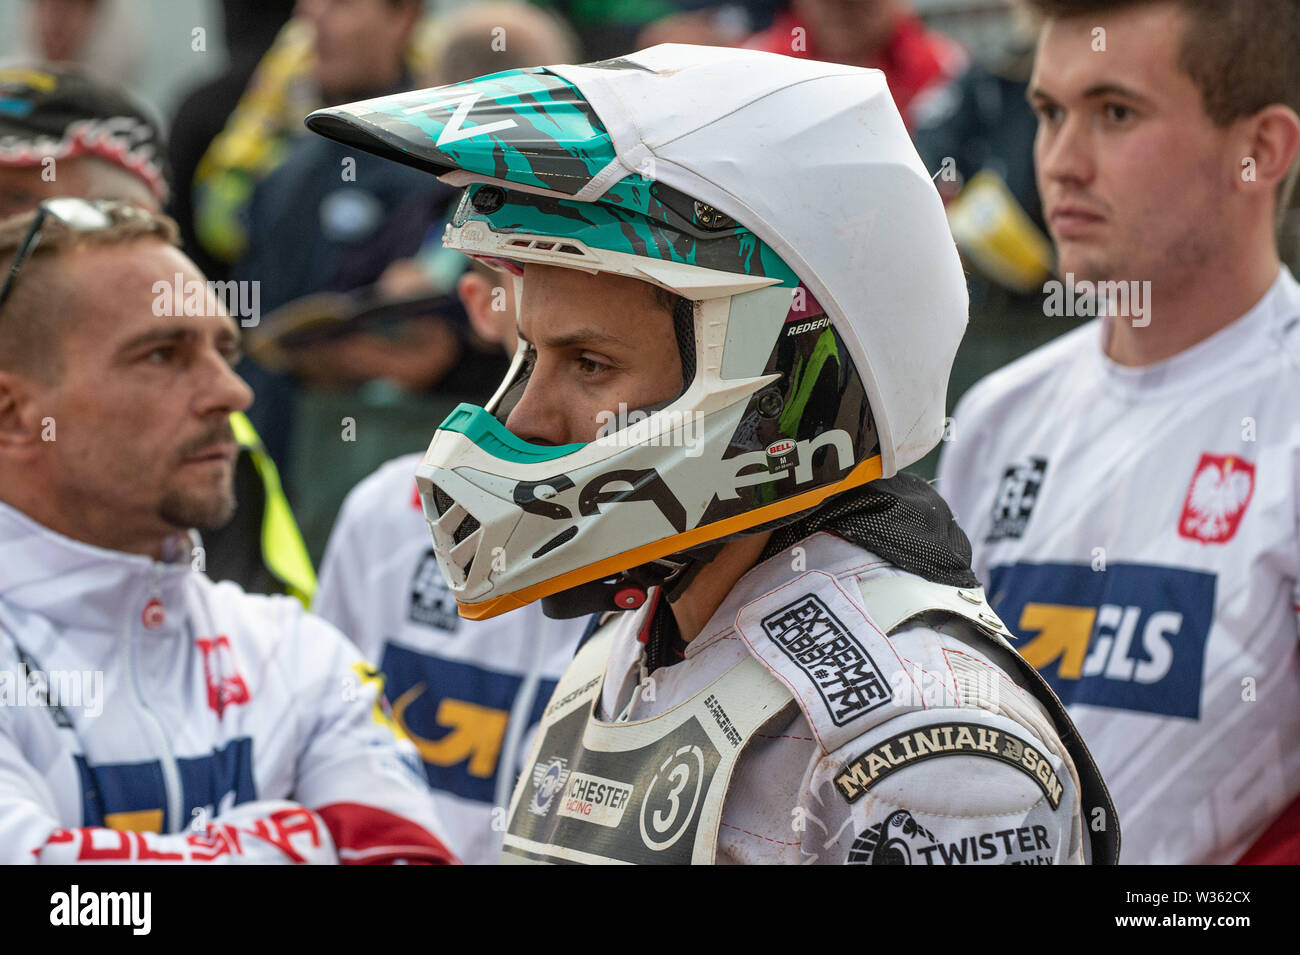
(224, 390)
(538, 417)
(1066, 155)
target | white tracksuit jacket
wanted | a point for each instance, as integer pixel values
(148, 714)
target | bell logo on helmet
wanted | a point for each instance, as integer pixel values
(782, 457)
(488, 200)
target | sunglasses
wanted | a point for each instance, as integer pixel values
(79, 215)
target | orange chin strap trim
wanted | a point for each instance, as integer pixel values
(863, 473)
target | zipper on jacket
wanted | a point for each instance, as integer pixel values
(166, 760)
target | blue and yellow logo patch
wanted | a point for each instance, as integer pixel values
(456, 714)
(1131, 637)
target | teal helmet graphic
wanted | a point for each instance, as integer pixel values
(819, 302)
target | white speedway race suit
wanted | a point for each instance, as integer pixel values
(467, 692)
(843, 711)
(1138, 529)
(148, 714)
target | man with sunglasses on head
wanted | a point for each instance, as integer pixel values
(150, 714)
(63, 133)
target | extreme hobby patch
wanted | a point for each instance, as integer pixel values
(946, 739)
(818, 643)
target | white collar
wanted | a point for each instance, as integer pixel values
(1258, 326)
(75, 584)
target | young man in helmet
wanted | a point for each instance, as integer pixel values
(739, 303)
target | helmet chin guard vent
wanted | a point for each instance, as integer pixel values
(444, 504)
(467, 526)
(464, 523)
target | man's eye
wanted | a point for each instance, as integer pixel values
(590, 366)
(1048, 112)
(1118, 113)
(161, 355)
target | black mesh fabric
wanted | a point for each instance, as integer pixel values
(902, 519)
(442, 502)
(468, 526)
(684, 326)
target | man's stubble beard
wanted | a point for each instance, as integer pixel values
(207, 510)
(1189, 252)
(204, 513)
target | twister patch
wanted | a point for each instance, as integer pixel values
(901, 839)
(947, 739)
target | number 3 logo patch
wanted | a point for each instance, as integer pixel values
(672, 798)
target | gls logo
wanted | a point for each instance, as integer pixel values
(1131, 637)
(780, 459)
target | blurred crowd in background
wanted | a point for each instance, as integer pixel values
(362, 336)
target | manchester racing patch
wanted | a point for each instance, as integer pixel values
(946, 739)
(595, 799)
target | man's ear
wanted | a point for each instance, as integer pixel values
(408, 18)
(1272, 141)
(475, 293)
(22, 428)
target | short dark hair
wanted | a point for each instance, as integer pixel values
(1243, 55)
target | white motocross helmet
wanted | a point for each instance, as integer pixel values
(821, 302)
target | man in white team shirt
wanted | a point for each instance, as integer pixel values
(1130, 489)
(467, 692)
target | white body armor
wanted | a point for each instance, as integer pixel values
(845, 712)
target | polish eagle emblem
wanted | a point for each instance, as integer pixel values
(1217, 498)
